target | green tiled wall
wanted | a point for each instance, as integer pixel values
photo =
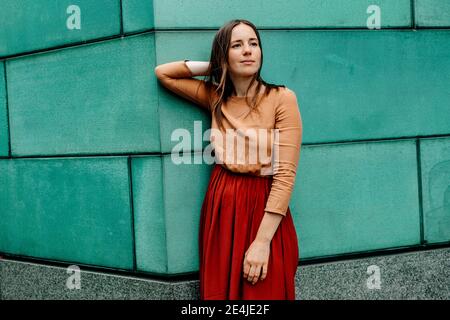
(89, 178)
(432, 13)
(149, 217)
(29, 25)
(280, 13)
(137, 15)
(185, 188)
(69, 209)
(356, 197)
(3, 115)
(435, 160)
(73, 101)
(167, 198)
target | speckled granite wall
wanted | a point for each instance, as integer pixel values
(414, 275)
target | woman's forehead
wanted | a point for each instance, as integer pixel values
(243, 32)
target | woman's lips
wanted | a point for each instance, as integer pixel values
(247, 62)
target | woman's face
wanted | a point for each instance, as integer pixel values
(244, 46)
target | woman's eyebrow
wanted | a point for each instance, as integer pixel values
(241, 40)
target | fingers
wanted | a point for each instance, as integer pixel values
(256, 275)
(264, 272)
(253, 272)
(255, 265)
(246, 268)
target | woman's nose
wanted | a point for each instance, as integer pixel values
(247, 48)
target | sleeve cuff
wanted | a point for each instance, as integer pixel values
(189, 70)
(276, 212)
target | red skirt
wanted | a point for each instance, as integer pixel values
(231, 213)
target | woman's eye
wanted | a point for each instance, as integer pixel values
(254, 43)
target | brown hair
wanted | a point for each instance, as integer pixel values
(218, 74)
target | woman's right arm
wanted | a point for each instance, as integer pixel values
(177, 77)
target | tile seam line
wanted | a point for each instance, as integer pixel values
(159, 153)
(8, 121)
(154, 30)
(163, 194)
(121, 17)
(413, 14)
(420, 191)
(131, 199)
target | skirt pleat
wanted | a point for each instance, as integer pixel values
(231, 213)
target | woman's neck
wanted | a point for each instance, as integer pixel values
(240, 91)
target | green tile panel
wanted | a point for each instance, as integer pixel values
(29, 25)
(185, 187)
(137, 15)
(432, 13)
(281, 13)
(356, 197)
(435, 161)
(94, 99)
(167, 205)
(149, 217)
(67, 209)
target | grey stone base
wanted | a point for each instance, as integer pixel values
(416, 275)
(406, 276)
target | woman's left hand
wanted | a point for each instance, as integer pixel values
(256, 260)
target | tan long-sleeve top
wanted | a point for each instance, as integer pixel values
(265, 142)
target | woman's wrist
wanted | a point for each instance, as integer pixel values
(197, 68)
(268, 227)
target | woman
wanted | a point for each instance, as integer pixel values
(248, 245)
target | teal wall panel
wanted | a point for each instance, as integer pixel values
(98, 98)
(356, 197)
(4, 138)
(435, 161)
(167, 205)
(137, 15)
(185, 187)
(351, 85)
(149, 217)
(364, 85)
(280, 13)
(69, 209)
(28, 25)
(432, 13)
